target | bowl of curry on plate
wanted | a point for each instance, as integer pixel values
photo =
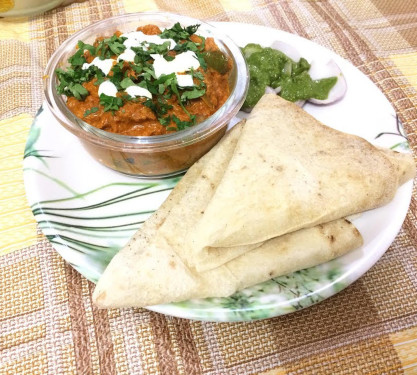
(147, 94)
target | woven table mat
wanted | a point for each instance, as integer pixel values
(48, 324)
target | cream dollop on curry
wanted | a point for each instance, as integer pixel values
(167, 102)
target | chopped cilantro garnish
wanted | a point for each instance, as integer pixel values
(126, 82)
(109, 47)
(140, 73)
(201, 60)
(181, 125)
(84, 46)
(163, 106)
(71, 80)
(79, 91)
(159, 86)
(148, 73)
(169, 58)
(186, 46)
(177, 32)
(194, 93)
(75, 89)
(137, 68)
(159, 48)
(164, 120)
(197, 74)
(118, 74)
(160, 106)
(91, 110)
(150, 104)
(110, 103)
(77, 59)
(117, 48)
(143, 84)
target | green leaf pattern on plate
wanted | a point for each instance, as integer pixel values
(277, 296)
(91, 232)
(400, 133)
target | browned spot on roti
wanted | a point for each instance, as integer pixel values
(262, 157)
(172, 264)
(279, 168)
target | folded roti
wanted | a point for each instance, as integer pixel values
(289, 171)
(149, 270)
(190, 207)
(159, 264)
(146, 261)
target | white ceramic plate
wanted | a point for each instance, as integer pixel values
(88, 212)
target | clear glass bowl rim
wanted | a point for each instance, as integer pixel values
(159, 142)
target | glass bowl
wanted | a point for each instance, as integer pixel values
(148, 156)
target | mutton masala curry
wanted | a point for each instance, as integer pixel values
(146, 82)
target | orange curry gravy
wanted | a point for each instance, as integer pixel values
(136, 119)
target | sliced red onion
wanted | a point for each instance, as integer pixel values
(288, 49)
(269, 90)
(330, 69)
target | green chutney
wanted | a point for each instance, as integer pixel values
(270, 67)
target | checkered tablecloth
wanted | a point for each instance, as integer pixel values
(48, 324)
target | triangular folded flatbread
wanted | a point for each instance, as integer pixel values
(288, 172)
(149, 270)
(160, 265)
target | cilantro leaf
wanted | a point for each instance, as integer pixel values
(165, 121)
(143, 85)
(126, 83)
(117, 48)
(118, 74)
(84, 46)
(192, 94)
(165, 80)
(78, 91)
(150, 104)
(201, 60)
(181, 125)
(148, 72)
(159, 107)
(137, 68)
(160, 49)
(198, 75)
(186, 46)
(110, 103)
(77, 59)
(177, 32)
(91, 110)
(163, 106)
(108, 47)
